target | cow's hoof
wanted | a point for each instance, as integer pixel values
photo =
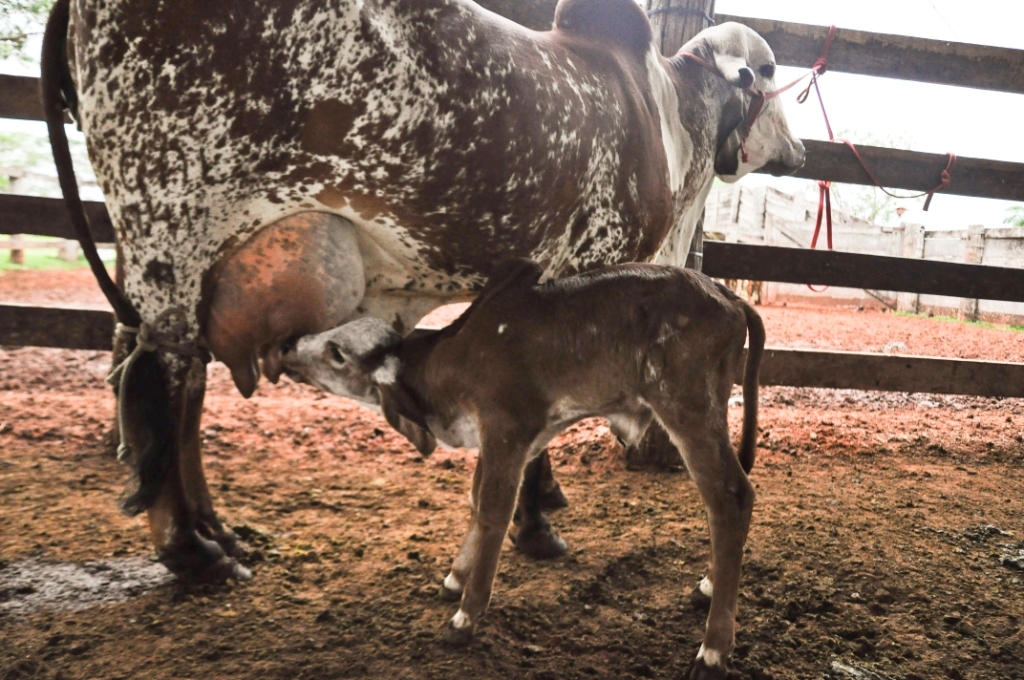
(449, 595)
(198, 560)
(540, 543)
(699, 600)
(701, 671)
(553, 499)
(456, 637)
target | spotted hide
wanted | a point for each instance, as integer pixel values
(275, 168)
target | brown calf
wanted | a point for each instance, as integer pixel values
(630, 343)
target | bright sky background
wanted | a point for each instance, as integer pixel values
(934, 118)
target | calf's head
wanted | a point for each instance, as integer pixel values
(360, 360)
(746, 64)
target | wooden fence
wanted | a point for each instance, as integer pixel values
(859, 52)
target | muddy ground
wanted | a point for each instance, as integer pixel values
(888, 537)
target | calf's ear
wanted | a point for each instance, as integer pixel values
(401, 412)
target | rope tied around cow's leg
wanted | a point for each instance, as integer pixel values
(149, 339)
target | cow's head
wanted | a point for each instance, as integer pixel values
(746, 63)
(359, 360)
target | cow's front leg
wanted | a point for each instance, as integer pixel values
(539, 492)
(500, 470)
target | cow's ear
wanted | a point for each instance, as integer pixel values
(727, 148)
(402, 413)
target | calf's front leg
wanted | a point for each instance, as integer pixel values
(496, 483)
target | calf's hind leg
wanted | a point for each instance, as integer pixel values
(702, 435)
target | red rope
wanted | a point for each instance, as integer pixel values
(820, 66)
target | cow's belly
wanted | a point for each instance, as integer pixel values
(198, 154)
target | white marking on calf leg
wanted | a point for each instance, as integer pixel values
(461, 620)
(709, 656)
(705, 586)
(452, 584)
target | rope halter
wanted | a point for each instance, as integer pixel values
(148, 339)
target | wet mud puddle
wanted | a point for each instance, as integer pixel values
(30, 585)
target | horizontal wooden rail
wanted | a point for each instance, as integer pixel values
(913, 170)
(893, 56)
(855, 270)
(19, 98)
(26, 326)
(37, 216)
(888, 373)
(89, 329)
(906, 170)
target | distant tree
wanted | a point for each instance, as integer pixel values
(1015, 216)
(20, 20)
(866, 202)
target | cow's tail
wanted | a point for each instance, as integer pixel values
(755, 352)
(58, 95)
(146, 384)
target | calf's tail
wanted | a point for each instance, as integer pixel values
(755, 352)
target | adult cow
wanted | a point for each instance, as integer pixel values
(275, 168)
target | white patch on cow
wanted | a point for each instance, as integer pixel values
(709, 656)
(501, 328)
(705, 587)
(451, 583)
(461, 620)
(678, 143)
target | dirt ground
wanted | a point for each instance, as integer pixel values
(888, 535)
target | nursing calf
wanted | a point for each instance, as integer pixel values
(631, 343)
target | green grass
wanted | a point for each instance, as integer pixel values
(953, 319)
(42, 259)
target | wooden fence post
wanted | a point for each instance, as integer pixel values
(913, 246)
(974, 253)
(17, 249)
(674, 22)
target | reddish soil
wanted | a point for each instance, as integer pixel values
(885, 535)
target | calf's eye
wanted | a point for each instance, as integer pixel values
(336, 355)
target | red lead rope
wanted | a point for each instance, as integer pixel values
(757, 102)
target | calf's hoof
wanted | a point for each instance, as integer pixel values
(701, 671)
(540, 543)
(699, 600)
(449, 595)
(553, 499)
(456, 637)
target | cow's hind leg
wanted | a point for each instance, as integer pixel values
(702, 435)
(156, 400)
(539, 491)
(196, 489)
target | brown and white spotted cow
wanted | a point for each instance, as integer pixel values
(274, 168)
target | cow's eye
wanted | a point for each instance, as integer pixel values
(336, 355)
(767, 71)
